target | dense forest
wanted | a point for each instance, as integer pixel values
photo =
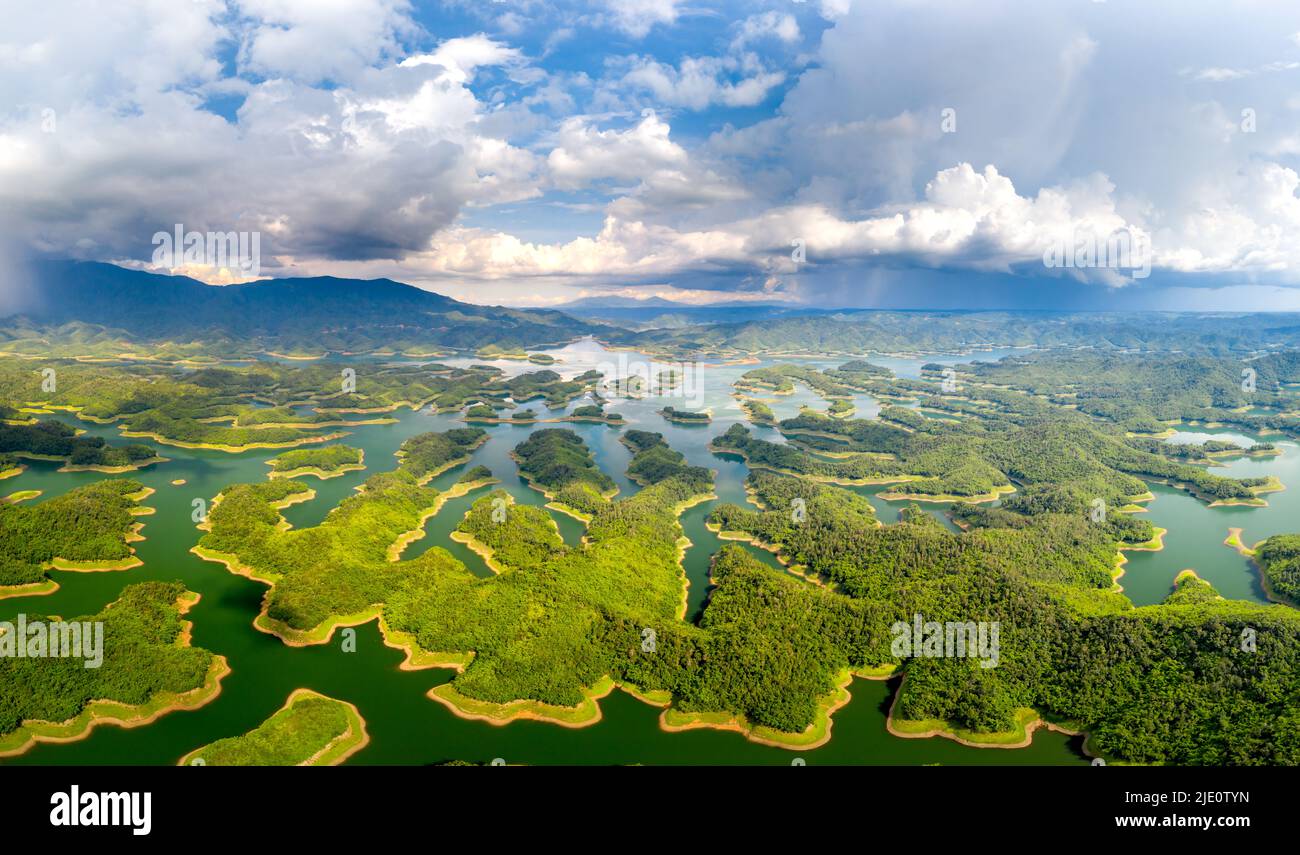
(557, 462)
(261, 405)
(58, 440)
(532, 629)
(866, 331)
(85, 524)
(141, 658)
(1279, 559)
(300, 733)
(328, 459)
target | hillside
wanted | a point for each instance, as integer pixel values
(98, 303)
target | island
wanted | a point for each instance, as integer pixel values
(686, 417)
(329, 461)
(88, 528)
(1278, 558)
(309, 730)
(147, 668)
(53, 440)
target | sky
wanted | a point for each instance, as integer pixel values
(895, 153)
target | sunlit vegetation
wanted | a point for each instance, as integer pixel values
(86, 525)
(475, 474)
(594, 412)
(1145, 395)
(544, 630)
(493, 351)
(555, 460)
(653, 460)
(309, 730)
(686, 416)
(1279, 560)
(142, 662)
(324, 461)
(761, 454)
(267, 404)
(427, 455)
(758, 412)
(55, 440)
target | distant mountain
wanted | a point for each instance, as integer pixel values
(306, 315)
(620, 303)
(862, 331)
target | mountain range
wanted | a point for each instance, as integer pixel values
(291, 315)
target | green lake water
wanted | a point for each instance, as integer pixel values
(408, 728)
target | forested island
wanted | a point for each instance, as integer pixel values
(265, 405)
(558, 463)
(1279, 560)
(52, 440)
(88, 528)
(329, 461)
(309, 730)
(148, 668)
(686, 417)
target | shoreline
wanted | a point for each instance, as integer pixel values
(460, 488)
(233, 449)
(1028, 721)
(104, 711)
(947, 498)
(316, 471)
(333, 753)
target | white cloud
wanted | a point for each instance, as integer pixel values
(351, 155)
(700, 82)
(767, 24)
(584, 154)
(972, 219)
(313, 40)
(637, 17)
(461, 56)
(371, 167)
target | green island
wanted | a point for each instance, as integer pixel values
(841, 409)
(493, 351)
(758, 412)
(148, 669)
(329, 461)
(556, 462)
(1278, 558)
(87, 528)
(52, 440)
(484, 414)
(686, 417)
(263, 405)
(309, 730)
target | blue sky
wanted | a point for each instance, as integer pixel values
(898, 153)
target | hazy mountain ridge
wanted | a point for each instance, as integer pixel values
(304, 314)
(864, 331)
